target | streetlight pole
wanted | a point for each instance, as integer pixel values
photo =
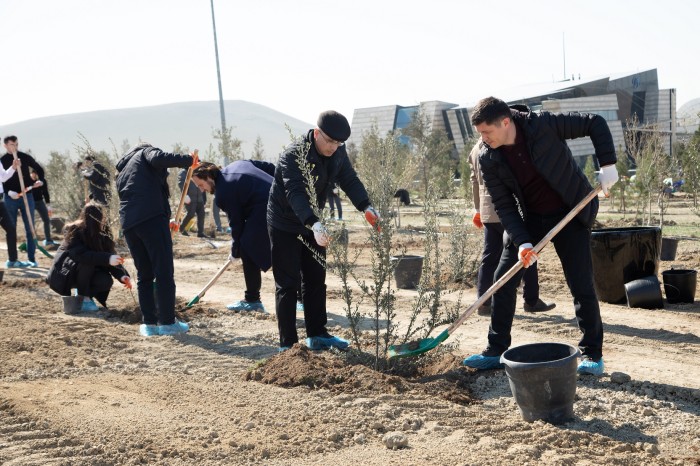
(224, 134)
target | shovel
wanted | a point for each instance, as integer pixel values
(29, 216)
(196, 299)
(413, 348)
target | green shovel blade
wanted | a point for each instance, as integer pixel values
(193, 301)
(414, 348)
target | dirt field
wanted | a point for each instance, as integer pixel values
(86, 389)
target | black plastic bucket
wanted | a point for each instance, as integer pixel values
(644, 292)
(679, 285)
(621, 255)
(542, 378)
(669, 246)
(407, 271)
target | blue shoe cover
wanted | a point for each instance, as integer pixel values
(147, 330)
(173, 329)
(89, 306)
(327, 342)
(589, 366)
(246, 306)
(481, 362)
(300, 306)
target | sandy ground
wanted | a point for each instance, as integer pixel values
(87, 389)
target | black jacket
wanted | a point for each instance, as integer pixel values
(288, 207)
(62, 275)
(545, 136)
(98, 177)
(142, 184)
(27, 162)
(41, 193)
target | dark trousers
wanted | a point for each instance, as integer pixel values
(195, 207)
(10, 233)
(94, 282)
(253, 278)
(333, 202)
(151, 247)
(17, 205)
(573, 246)
(293, 261)
(215, 212)
(493, 247)
(40, 207)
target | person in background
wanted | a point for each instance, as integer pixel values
(485, 217)
(89, 244)
(241, 190)
(42, 204)
(297, 237)
(6, 221)
(144, 213)
(195, 203)
(97, 176)
(12, 188)
(534, 182)
(334, 202)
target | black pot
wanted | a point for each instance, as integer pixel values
(621, 255)
(407, 271)
(679, 285)
(645, 293)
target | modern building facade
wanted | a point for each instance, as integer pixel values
(617, 98)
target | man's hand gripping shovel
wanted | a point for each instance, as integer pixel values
(175, 222)
(417, 347)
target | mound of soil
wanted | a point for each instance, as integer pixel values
(299, 366)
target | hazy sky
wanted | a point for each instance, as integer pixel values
(302, 57)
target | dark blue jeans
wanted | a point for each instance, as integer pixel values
(293, 262)
(493, 247)
(40, 207)
(151, 247)
(573, 246)
(15, 205)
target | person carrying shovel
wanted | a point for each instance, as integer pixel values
(534, 181)
(14, 194)
(144, 213)
(241, 190)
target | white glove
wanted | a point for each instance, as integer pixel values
(234, 260)
(320, 234)
(115, 260)
(187, 199)
(608, 177)
(13, 195)
(38, 184)
(527, 255)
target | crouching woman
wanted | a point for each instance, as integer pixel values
(87, 260)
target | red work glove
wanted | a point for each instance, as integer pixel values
(372, 218)
(174, 226)
(126, 280)
(476, 220)
(195, 159)
(527, 255)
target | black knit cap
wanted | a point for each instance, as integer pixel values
(334, 124)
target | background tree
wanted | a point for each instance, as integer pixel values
(258, 150)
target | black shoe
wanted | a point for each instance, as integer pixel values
(203, 236)
(539, 306)
(484, 310)
(184, 233)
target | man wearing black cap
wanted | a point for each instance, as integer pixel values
(297, 235)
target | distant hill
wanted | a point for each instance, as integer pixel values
(188, 123)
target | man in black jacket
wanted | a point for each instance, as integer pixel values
(144, 212)
(13, 192)
(42, 204)
(98, 180)
(297, 236)
(534, 181)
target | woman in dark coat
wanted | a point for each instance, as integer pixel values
(89, 245)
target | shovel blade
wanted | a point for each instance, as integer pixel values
(414, 348)
(193, 301)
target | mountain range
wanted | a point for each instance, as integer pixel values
(190, 124)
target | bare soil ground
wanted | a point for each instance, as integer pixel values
(87, 389)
